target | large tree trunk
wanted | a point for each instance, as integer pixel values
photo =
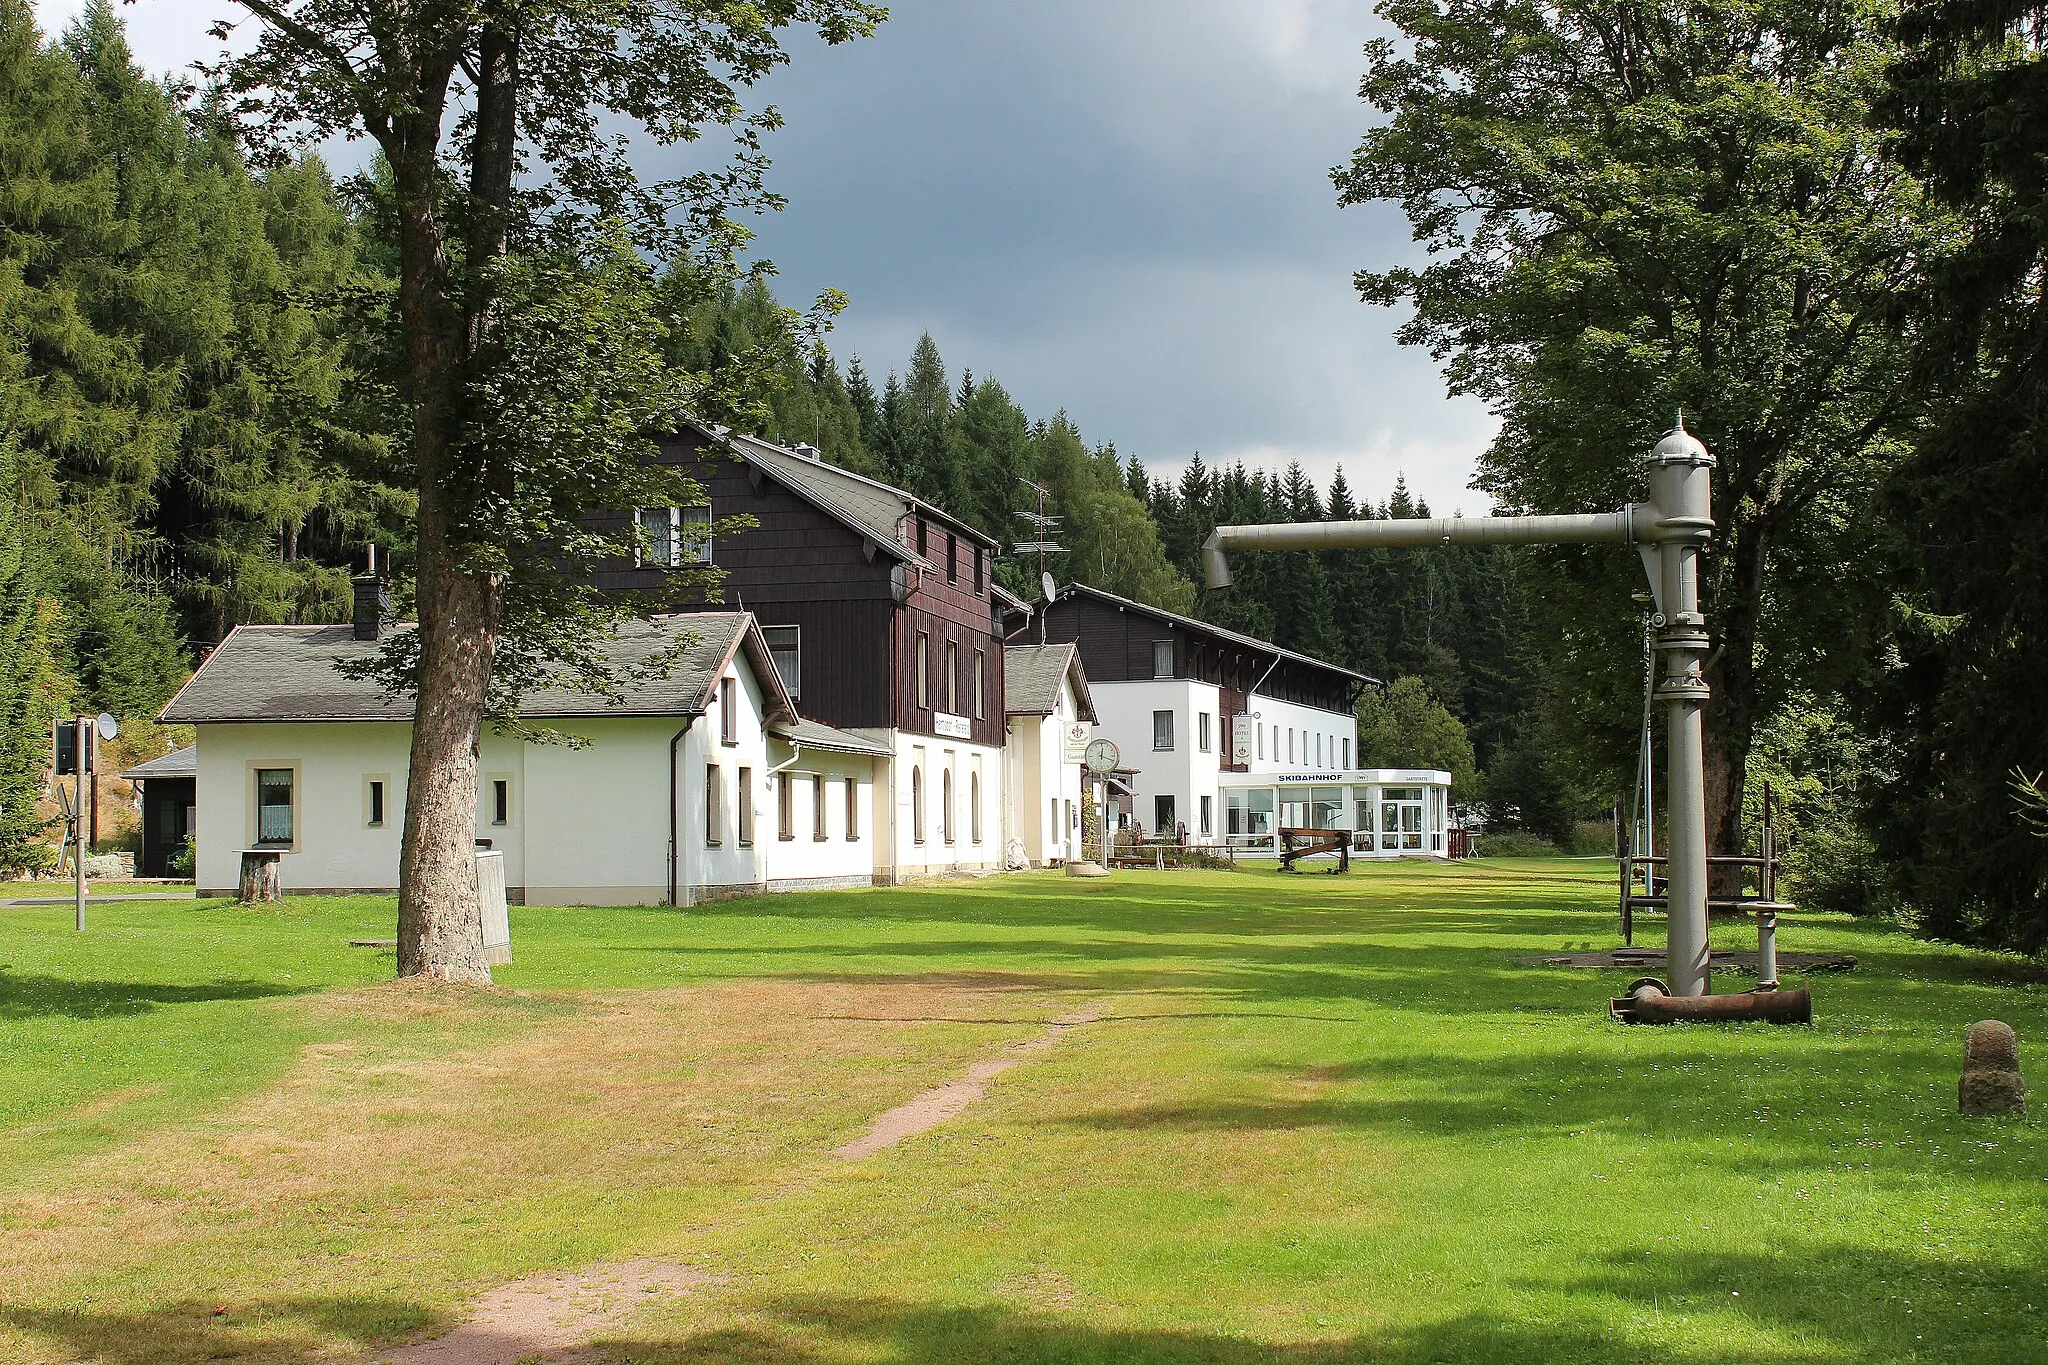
(440, 923)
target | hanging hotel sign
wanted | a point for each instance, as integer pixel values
(1078, 733)
(951, 726)
(1241, 737)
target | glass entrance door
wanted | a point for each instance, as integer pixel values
(1401, 818)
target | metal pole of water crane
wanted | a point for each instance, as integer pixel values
(1680, 473)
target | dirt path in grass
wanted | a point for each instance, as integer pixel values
(550, 1318)
(932, 1108)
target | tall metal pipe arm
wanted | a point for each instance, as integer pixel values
(1631, 525)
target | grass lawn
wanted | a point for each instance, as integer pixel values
(1316, 1120)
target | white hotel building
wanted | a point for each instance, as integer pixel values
(1228, 738)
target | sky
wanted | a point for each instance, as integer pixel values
(1117, 207)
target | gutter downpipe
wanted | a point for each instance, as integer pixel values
(673, 746)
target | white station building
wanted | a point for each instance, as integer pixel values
(694, 786)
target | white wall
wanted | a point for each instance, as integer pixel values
(934, 757)
(1277, 717)
(804, 859)
(1040, 775)
(1124, 714)
(586, 826)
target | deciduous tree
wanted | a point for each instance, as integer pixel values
(495, 119)
(1639, 206)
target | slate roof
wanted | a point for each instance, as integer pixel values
(287, 673)
(1032, 675)
(177, 763)
(1221, 633)
(869, 506)
(811, 734)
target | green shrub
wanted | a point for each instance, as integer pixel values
(1513, 843)
(179, 864)
(1832, 865)
(1592, 839)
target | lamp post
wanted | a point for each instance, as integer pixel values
(1669, 532)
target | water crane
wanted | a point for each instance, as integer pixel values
(1669, 532)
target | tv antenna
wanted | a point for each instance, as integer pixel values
(1045, 527)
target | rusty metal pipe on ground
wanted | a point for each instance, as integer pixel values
(1649, 1001)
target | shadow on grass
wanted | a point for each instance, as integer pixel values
(812, 1330)
(32, 996)
(274, 1329)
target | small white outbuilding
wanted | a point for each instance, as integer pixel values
(697, 782)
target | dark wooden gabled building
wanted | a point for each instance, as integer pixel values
(882, 615)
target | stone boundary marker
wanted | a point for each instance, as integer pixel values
(1991, 1071)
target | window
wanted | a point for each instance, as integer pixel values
(1073, 820)
(373, 802)
(1054, 825)
(273, 805)
(916, 805)
(714, 807)
(693, 535)
(924, 676)
(977, 571)
(1319, 751)
(1347, 755)
(785, 646)
(920, 535)
(974, 806)
(852, 809)
(672, 536)
(1259, 733)
(501, 801)
(728, 711)
(946, 805)
(1162, 658)
(785, 803)
(657, 548)
(1290, 744)
(746, 808)
(1162, 814)
(1162, 729)
(1208, 824)
(952, 558)
(980, 688)
(817, 806)
(1202, 731)
(952, 671)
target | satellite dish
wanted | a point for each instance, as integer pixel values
(1045, 584)
(108, 726)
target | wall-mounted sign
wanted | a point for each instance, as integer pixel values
(1078, 733)
(1241, 738)
(951, 726)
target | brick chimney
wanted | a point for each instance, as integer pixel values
(373, 598)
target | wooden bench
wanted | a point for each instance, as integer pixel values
(1296, 844)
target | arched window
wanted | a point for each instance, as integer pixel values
(974, 806)
(917, 805)
(946, 805)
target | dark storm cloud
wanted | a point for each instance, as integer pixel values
(1119, 208)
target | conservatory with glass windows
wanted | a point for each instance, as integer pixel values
(1391, 812)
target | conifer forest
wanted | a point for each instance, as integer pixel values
(201, 422)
